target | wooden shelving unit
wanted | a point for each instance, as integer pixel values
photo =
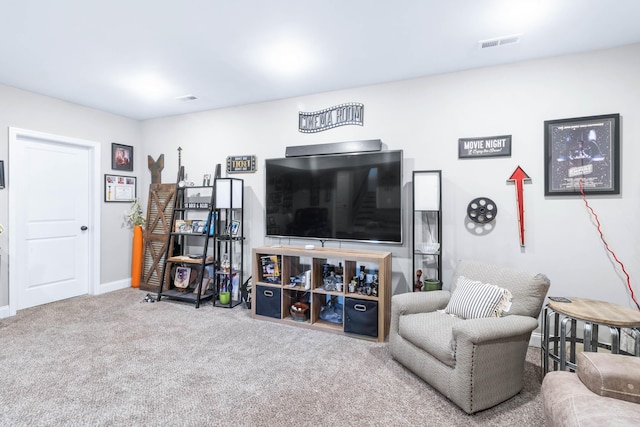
(189, 247)
(364, 315)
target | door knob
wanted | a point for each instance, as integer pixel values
(84, 227)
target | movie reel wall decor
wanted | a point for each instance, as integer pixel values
(481, 212)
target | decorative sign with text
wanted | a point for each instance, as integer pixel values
(490, 146)
(344, 114)
(241, 164)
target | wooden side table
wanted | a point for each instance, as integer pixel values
(594, 314)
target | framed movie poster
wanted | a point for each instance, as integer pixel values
(582, 154)
(121, 157)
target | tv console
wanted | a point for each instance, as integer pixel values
(364, 315)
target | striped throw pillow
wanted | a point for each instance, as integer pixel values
(473, 299)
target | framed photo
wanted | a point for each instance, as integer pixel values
(121, 157)
(119, 188)
(183, 275)
(199, 226)
(233, 228)
(582, 154)
(183, 226)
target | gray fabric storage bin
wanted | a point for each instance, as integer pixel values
(361, 317)
(268, 301)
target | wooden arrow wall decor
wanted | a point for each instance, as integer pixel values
(518, 177)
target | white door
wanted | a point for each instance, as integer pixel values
(51, 219)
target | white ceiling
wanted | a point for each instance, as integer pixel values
(98, 53)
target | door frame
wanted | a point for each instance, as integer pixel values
(15, 174)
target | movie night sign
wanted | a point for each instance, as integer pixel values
(344, 114)
(490, 146)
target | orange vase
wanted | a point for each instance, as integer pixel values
(136, 256)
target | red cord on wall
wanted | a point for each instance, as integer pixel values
(606, 245)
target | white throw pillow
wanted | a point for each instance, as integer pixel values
(473, 299)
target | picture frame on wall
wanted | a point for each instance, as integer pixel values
(121, 157)
(582, 154)
(119, 188)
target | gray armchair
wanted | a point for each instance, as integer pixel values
(476, 363)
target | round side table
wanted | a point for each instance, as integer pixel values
(594, 314)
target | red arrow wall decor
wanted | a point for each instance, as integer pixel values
(518, 177)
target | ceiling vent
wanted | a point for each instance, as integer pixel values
(187, 98)
(501, 41)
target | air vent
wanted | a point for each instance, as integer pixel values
(501, 41)
(187, 98)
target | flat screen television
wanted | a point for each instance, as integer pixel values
(356, 197)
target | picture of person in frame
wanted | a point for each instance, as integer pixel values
(122, 157)
(182, 277)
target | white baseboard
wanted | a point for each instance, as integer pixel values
(114, 286)
(535, 340)
(4, 312)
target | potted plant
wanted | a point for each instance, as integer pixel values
(431, 285)
(135, 219)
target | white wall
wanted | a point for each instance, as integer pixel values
(425, 117)
(39, 113)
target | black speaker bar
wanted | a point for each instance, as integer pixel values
(334, 148)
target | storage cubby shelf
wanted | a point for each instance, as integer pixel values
(363, 316)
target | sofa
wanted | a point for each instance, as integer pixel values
(474, 358)
(604, 391)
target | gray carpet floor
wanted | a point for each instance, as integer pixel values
(115, 360)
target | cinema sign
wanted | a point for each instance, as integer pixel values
(344, 114)
(489, 146)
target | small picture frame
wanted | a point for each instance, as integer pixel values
(582, 154)
(234, 228)
(183, 226)
(121, 157)
(199, 226)
(119, 188)
(183, 275)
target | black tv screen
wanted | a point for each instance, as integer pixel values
(336, 197)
